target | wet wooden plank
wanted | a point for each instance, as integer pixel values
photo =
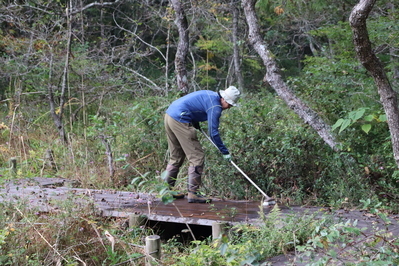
(196, 213)
(46, 194)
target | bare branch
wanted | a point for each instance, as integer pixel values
(92, 5)
(138, 37)
(154, 85)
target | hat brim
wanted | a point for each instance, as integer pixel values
(232, 104)
(227, 100)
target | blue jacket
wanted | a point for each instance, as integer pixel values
(199, 106)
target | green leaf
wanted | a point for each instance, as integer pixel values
(382, 118)
(366, 128)
(223, 248)
(164, 175)
(164, 190)
(346, 123)
(352, 230)
(369, 118)
(333, 254)
(337, 124)
(135, 180)
(356, 115)
(167, 198)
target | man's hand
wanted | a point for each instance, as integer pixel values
(196, 125)
(227, 157)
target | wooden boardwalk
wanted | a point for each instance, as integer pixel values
(46, 194)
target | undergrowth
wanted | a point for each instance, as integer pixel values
(111, 145)
(251, 245)
(284, 157)
(317, 238)
(70, 234)
(347, 243)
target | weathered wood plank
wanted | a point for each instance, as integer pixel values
(44, 193)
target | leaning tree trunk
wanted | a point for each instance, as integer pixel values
(371, 62)
(274, 78)
(182, 47)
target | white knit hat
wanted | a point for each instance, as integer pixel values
(230, 95)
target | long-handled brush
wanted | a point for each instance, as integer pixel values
(268, 200)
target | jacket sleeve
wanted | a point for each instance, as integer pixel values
(213, 128)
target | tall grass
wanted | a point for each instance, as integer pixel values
(69, 235)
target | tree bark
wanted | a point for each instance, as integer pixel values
(393, 51)
(236, 52)
(58, 116)
(374, 66)
(108, 152)
(182, 47)
(274, 78)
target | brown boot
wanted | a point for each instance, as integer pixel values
(194, 183)
(177, 194)
(170, 176)
(195, 197)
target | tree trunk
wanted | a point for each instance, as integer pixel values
(374, 66)
(392, 52)
(58, 115)
(110, 157)
(182, 47)
(273, 77)
(236, 54)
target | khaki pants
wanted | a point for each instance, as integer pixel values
(182, 143)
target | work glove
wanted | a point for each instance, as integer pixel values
(196, 125)
(227, 157)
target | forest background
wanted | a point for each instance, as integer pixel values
(87, 83)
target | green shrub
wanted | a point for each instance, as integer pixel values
(251, 245)
(345, 243)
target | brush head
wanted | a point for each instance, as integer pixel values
(269, 202)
